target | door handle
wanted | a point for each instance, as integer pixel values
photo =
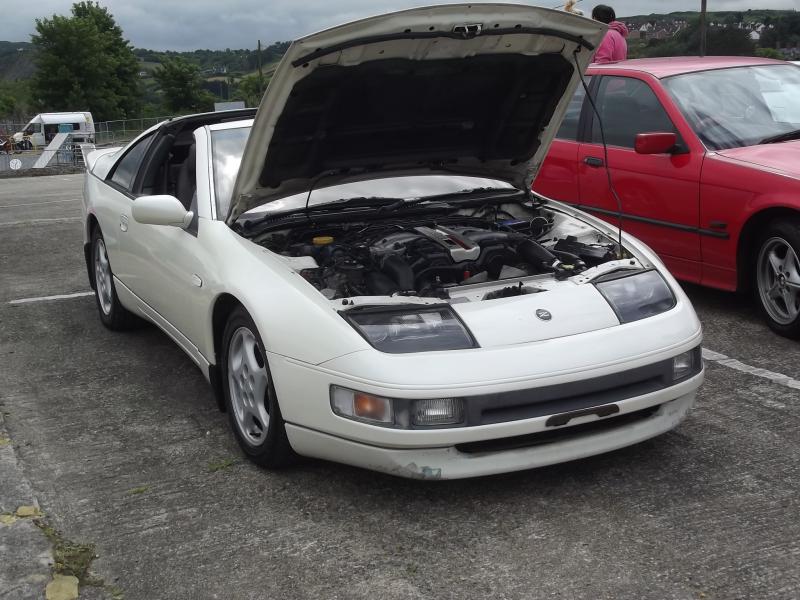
(593, 161)
(123, 223)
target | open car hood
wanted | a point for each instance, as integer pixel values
(476, 89)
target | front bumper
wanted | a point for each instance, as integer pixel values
(534, 370)
(460, 461)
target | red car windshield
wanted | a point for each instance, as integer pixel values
(741, 106)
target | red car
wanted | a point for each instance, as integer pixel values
(704, 154)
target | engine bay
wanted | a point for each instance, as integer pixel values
(501, 247)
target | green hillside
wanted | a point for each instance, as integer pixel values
(745, 16)
(16, 60)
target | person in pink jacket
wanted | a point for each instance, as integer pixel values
(613, 47)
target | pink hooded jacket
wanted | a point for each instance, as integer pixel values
(613, 47)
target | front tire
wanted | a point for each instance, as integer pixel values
(112, 314)
(777, 276)
(250, 397)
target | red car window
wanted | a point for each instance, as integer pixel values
(569, 126)
(628, 107)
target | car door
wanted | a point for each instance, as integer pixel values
(169, 261)
(659, 193)
(114, 212)
(558, 175)
(160, 264)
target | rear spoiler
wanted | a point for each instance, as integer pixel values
(91, 154)
(86, 149)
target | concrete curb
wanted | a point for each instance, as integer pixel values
(24, 552)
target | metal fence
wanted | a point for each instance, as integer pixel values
(106, 132)
(9, 128)
(122, 131)
(16, 159)
(22, 156)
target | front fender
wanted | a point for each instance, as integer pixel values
(293, 318)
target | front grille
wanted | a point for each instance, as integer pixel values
(487, 409)
(557, 435)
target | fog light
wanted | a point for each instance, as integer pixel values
(441, 411)
(361, 406)
(683, 364)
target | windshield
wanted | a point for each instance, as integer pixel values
(227, 146)
(731, 108)
(227, 149)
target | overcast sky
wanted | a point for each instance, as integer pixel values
(193, 24)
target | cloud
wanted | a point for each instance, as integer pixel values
(184, 25)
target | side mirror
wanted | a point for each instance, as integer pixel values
(656, 143)
(161, 210)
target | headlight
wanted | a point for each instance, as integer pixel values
(418, 329)
(361, 407)
(394, 412)
(635, 296)
(687, 363)
(442, 411)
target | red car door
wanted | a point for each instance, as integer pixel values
(660, 193)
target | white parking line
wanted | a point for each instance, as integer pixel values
(709, 355)
(49, 298)
(736, 365)
(34, 221)
(38, 203)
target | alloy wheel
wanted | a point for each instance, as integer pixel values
(102, 277)
(248, 384)
(779, 280)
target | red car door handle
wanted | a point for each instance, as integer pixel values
(593, 161)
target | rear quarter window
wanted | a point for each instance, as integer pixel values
(125, 171)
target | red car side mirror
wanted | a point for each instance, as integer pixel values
(655, 143)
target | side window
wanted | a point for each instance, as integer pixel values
(628, 107)
(569, 126)
(125, 171)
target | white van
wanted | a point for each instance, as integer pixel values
(44, 127)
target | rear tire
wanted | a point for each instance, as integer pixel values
(776, 276)
(250, 397)
(112, 314)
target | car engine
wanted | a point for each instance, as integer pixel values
(428, 259)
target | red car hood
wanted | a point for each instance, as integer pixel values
(783, 158)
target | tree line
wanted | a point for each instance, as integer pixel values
(83, 62)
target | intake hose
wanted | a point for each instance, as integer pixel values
(400, 272)
(380, 285)
(568, 258)
(537, 255)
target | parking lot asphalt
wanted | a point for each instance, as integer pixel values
(119, 440)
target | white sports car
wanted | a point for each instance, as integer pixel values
(362, 272)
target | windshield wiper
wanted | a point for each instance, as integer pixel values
(257, 224)
(782, 137)
(250, 225)
(355, 202)
(448, 197)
